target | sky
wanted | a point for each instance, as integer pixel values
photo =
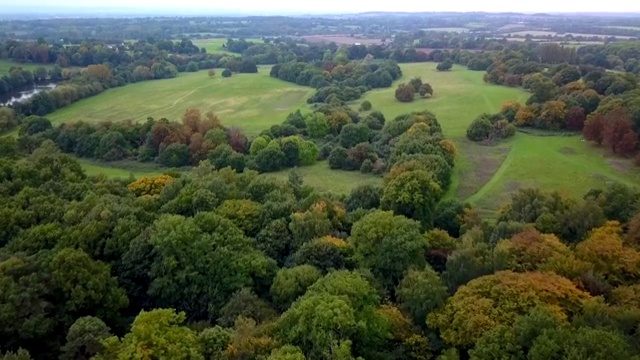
(332, 6)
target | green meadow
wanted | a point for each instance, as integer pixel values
(322, 178)
(253, 102)
(5, 65)
(215, 46)
(484, 175)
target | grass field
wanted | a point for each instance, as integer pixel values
(5, 65)
(117, 170)
(486, 175)
(563, 163)
(252, 102)
(214, 46)
(459, 96)
(322, 178)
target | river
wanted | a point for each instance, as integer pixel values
(22, 95)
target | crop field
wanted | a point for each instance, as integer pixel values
(253, 102)
(5, 65)
(321, 177)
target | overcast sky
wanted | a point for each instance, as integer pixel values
(339, 6)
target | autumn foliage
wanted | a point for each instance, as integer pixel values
(149, 185)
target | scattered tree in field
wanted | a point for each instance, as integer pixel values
(425, 89)
(416, 83)
(365, 106)
(211, 73)
(404, 93)
(226, 73)
(445, 65)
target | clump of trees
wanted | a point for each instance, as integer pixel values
(339, 80)
(406, 92)
(489, 128)
(445, 65)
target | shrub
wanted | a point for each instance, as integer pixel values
(226, 73)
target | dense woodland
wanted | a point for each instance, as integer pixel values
(215, 260)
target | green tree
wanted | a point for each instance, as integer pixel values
(416, 83)
(84, 339)
(200, 262)
(246, 304)
(353, 134)
(214, 341)
(317, 125)
(174, 155)
(287, 352)
(413, 194)
(270, 159)
(445, 65)
(226, 73)
(365, 106)
(258, 144)
(388, 245)
(420, 292)
(582, 343)
(404, 93)
(425, 89)
(337, 158)
(157, 334)
(480, 129)
(291, 283)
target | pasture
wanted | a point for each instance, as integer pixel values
(253, 102)
(321, 177)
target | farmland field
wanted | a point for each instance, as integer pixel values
(252, 102)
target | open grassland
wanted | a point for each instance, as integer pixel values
(484, 175)
(459, 97)
(215, 46)
(5, 65)
(322, 178)
(118, 170)
(563, 163)
(487, 175)
(253, 102)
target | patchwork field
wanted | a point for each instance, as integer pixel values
(252, 102)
